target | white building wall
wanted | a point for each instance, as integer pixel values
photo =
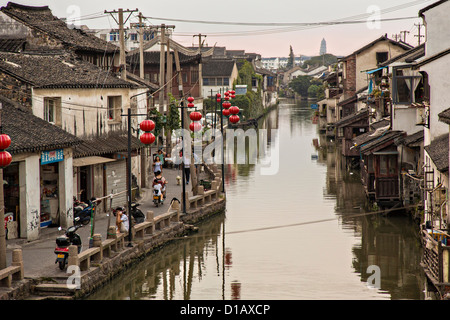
(437, 29)
(438, 71)
(84, 111)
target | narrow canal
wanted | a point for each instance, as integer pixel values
(288, 235)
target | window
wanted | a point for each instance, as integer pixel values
(219, 82)
(184, 76)
(194, 76)
(114, 36)
(407, 86)
(52, 110)
(388, 165)
(382, 57)
(226, 81)
(209, 81)
(133, 37)
(114, 108)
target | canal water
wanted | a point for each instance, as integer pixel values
(296, 232)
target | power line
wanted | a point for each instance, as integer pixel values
(332, 22)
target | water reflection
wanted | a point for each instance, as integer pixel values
(258, 252)
(174, 271)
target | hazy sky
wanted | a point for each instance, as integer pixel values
(268, 40)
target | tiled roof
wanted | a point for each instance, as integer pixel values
(374, 144)
(152, 58)
(217, 68)
(438, 152)
(41, 18)
(12, 45)
(29, 133)
(413, 140)
(45, 71)
(444, 116)
(106, 144)
(352, 118)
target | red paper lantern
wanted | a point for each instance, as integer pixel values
(218, 99)
(218, 95)
(234, 118)
(190, 99)
(147, 138)
(226, 112)
(233, 96)
(233, 92)
(195, 126)
(191, 105)
(5, 141)
(147, 125)
(5, 159)
(195, 116)
(234, 110)
(226, 104)
(227, 93)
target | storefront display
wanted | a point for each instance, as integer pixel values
(49, 187)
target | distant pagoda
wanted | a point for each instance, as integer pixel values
(323, 47)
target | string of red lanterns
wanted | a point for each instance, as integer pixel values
(228, 110)
(147, 137)
(5, 156)
(195, 116)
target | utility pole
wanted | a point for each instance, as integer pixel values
(404, 32)
(161, 68)
(419, 28)
(141, 46)
(200, 68)
(121, 22)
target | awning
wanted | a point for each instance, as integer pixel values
(373, 70)
(89, 161)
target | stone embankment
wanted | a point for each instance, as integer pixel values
(106, 258)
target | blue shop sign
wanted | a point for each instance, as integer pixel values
(52, 156)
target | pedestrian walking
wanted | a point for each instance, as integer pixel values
(187, 166)
(157, 164)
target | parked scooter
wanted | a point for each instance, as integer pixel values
(83, 211)
(136, 213)
(70, 237)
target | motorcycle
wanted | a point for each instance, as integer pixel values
(83, 211)
(157, 195)
(70, 237)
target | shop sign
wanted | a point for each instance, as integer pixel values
(52, 156)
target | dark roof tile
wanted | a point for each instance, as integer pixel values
(29, 133)
(45, 71)
(41, 18)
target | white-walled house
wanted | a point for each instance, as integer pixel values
(88, 103)
(435, 66)
(39, 179)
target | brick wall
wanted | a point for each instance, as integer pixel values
(15, 90)
(350, 81)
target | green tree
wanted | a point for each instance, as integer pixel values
(291, 59)
(300, 85)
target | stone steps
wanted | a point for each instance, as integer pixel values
(54, 290)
